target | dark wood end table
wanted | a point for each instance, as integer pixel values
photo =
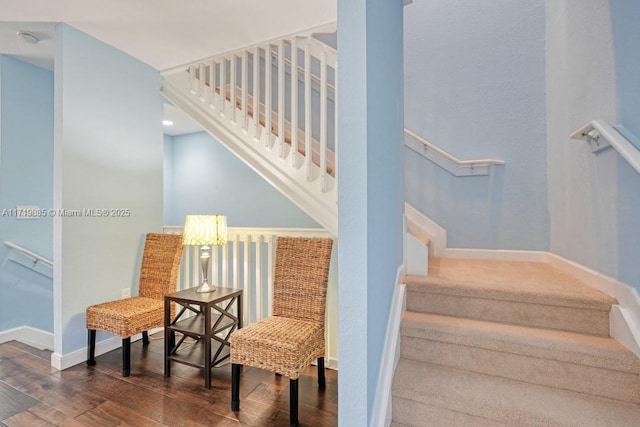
(198, 316)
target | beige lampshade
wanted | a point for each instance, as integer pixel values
(205, 230)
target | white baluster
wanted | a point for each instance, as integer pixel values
(201, 78)
(223, 86)
(194, 277)
(281, 106)
(215, 264)
(323, 122)
(232, 92)
(294, 102)
(224, 267)
(245, 90)
(184, 270)
(270, 257)
(259, 291)
(327, 336)
(256, 93)
(236, 262)
(247, 291)
(307, 112)
(212, 83)
(268, 83)
(192, 79)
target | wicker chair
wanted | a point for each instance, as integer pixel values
(293, 337)
(130, 316)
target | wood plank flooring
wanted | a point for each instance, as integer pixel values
(32, 393)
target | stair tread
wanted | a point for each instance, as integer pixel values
(504, 400)
(522, 281)
(589, 350)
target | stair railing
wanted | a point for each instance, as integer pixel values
(271, 105)
(601, 135)
(298, 121)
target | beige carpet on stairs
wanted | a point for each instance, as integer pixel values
(491, 343)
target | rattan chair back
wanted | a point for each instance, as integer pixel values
(160, 265)
(300, 278)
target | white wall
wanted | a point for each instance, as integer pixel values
(594, 200)
(475, 86)
(108, 154)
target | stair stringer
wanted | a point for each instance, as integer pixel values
(265, 161)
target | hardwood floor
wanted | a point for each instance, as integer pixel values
(32, 393)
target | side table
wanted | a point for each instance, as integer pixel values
(205, 322)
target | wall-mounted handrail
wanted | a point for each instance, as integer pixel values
(36, 258)
(447, 161)
(601, 135)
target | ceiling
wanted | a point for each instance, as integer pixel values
(161, 33)
(165, 33)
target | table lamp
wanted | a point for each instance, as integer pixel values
(205, 230)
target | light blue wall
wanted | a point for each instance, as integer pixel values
(108, 154)
(475, 87)
(625, 15)
(594, 200)
(208, 178)
(370, 193)
(26, 174)
(167, 179)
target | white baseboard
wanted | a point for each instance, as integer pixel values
(416, 256)
(331, 363)
(34, 337)
(437, 234)
(381, 416)
(625, 329)
(68, 360)
(625, 317)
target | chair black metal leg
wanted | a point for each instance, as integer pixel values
(91, 349)
(293, 402)
(322, 383)
(235, 387)
(126, 356)
(145, 338)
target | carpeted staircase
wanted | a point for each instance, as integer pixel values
(499, 343)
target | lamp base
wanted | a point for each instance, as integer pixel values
(206, 287)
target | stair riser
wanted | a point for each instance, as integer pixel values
(406, 412)
(552, 373)
(594, 322)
